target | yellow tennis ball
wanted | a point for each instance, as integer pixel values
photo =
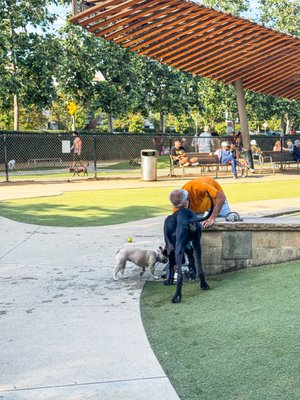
(129, 240)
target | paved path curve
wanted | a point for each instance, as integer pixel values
(68, 331)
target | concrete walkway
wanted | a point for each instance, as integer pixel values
(67, 330)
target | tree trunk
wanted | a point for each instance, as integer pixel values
(288, 124)
(162, 122)
(16, 113)
(110, 122)
(282, 123)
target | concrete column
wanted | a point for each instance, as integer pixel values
(243, 120)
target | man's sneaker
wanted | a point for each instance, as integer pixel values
(186, 164)
(252, 170)
(195, 164)
(235, 176)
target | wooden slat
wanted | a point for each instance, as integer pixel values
(231, 57)
(267, 76)
(113, 11)
(257, 72)
(270, 82)
(152, 29)
(129, 22)
(183, 36)
(200, 40)
(165, 29)
(212, 46)
(183, 51)
(258, 60)
(86, 14)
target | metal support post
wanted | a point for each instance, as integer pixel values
(5, 158)
(95, 156)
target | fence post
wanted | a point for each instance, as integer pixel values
(170, 147)
(5, 158)
(95, 156)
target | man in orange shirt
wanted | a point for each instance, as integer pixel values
(195, 192)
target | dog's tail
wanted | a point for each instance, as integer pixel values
(205, 217)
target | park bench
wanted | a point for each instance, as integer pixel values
(263, 161)
(206, 162)
(282, 160)
(35, 161)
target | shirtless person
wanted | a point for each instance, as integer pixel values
(76, 148)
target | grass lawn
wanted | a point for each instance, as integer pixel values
(238, 341)
(107, 207)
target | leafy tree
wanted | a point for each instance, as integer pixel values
(283, 15)
(235, 7)
(85, 56)
(28, 57)
(167, 90)
(136, 124)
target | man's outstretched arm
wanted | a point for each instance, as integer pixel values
(220, 198)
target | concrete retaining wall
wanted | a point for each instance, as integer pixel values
(229, 246)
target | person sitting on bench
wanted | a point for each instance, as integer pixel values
(225, 157)
(179, 157)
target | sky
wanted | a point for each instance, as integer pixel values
(61, 12)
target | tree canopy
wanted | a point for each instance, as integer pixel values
(43, 68)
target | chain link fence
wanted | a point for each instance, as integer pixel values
(46, 156)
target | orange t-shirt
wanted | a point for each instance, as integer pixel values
(199, 201)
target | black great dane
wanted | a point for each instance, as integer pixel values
(182, 229)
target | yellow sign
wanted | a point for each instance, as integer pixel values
(72, 107)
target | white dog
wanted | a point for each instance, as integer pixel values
(11, 165)
(141, 258)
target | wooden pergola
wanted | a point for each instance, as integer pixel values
(200, 40)
(203, 41)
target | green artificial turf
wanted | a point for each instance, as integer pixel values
(88, 208)
(238, 341)
(107, 207)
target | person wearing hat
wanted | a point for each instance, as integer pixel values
(289, 147)
(254, 148)
(296, 150)
(205, 141)
(225, 157)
